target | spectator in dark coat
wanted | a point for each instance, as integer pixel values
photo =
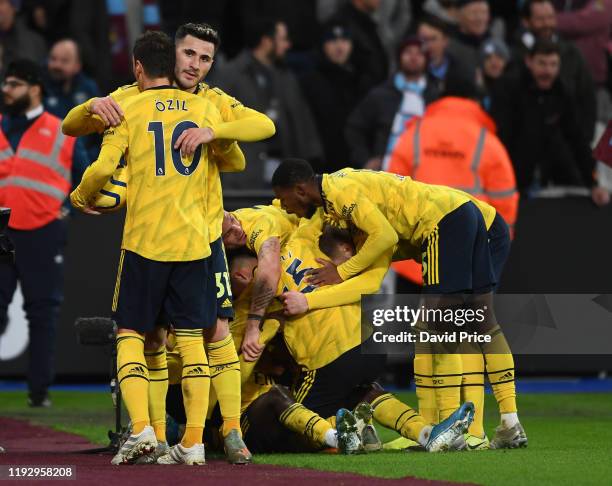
(373, 127)
(537, 122)
(259, 79)
(17, 40)
(540, 22)
(332, 93)
(369, 57)
(66, 86)
(443, 64)
(473, 22)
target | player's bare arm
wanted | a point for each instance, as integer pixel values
(264, 288)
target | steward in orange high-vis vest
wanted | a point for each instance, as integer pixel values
(454, 144)
(38, 167)
(35, 179)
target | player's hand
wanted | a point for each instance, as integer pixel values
(294, 303)
(600, 196)
(251, 349)
(89, 210)
(189, 141)
(107, 109)
(326, 275)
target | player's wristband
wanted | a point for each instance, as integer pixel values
(255, 317)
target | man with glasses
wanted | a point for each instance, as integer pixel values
(38, 168)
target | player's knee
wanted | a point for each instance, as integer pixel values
(218, 332)
(155, 339)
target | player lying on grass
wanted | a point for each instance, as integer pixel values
(457, 238)
(196, 45)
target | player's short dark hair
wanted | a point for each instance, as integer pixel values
(291, 172)
(331, 237)
(526, 8)
(544, 47)
(435, 23)
(258, 29)
(155, 51)
(201, 31)
(235, 255)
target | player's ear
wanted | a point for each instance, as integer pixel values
(136, 67)
(300, 189)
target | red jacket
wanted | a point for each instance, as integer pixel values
(35, 181)
(455, 145)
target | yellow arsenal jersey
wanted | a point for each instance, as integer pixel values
(167, 194)
(389, 207)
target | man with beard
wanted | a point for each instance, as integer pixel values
(196, 45)
(38, 167)
(375, 124)
(539, 124)
(540, 23)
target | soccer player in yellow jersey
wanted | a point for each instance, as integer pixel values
(165, 264)
(461, 241)
(262, 230)
(196, 45)
(326, 345)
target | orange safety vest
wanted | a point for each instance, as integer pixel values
(35, 181)
(454, 144)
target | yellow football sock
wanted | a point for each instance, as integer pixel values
(500, 370)
(398, 416)
(426, 394)
(195, 383)
(472, 389)
(447, 371)
(158, 388)
(225, 379)
(133, 377)
(300, 420)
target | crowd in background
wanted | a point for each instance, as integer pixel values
(342, 79)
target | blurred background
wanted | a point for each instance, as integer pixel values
(343, 79)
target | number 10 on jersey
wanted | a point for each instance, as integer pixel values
(159, 141)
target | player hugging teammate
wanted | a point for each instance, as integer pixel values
(166, 139)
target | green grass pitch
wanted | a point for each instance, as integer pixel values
(569, 441)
